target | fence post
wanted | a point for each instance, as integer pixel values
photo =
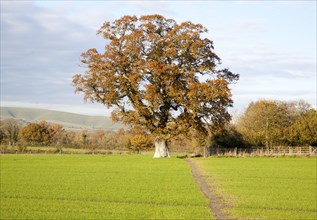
(310, 151)
(300, 150)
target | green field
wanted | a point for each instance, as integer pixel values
(139, 187)
(99, 187)
(265, 188)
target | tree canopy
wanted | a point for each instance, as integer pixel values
(41, 133)
(158, 74)
(275, 123)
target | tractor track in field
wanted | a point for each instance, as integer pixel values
(215, 204)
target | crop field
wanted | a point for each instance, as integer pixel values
(99, 187)
(264, 188)
(139, 187)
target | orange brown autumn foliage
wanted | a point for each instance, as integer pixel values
(41, 133)
(158, 74)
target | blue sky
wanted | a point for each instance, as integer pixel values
(271, 44)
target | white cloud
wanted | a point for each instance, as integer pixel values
(264, 62)
(40, 51)
(41, 43)
(152, 7)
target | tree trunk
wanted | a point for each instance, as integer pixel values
(161, 149)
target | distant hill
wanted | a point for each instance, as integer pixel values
(67, 120)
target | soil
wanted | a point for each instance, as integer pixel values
(215, 204)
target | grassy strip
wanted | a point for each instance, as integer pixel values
(53, 149)
(98, 187)
(265, 188)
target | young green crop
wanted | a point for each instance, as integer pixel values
(265, 188)
(98, 187)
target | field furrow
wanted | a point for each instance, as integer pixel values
(264, 188)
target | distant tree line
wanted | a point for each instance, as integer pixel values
(268, 123)
(264, 123)
(54, 135)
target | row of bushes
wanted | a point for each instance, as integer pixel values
(55, 136)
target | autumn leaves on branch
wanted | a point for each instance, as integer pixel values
(158, 74)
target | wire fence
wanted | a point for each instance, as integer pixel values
(272, 151)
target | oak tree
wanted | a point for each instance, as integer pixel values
(304, 130)
(262, 123)
(275, 123)
(42, 133)
(158, 74)
(138, 139)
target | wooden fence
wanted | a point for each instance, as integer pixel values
(276, 151)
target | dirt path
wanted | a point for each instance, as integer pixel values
(215, 203)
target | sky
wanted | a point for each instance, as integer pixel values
(271, 44)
